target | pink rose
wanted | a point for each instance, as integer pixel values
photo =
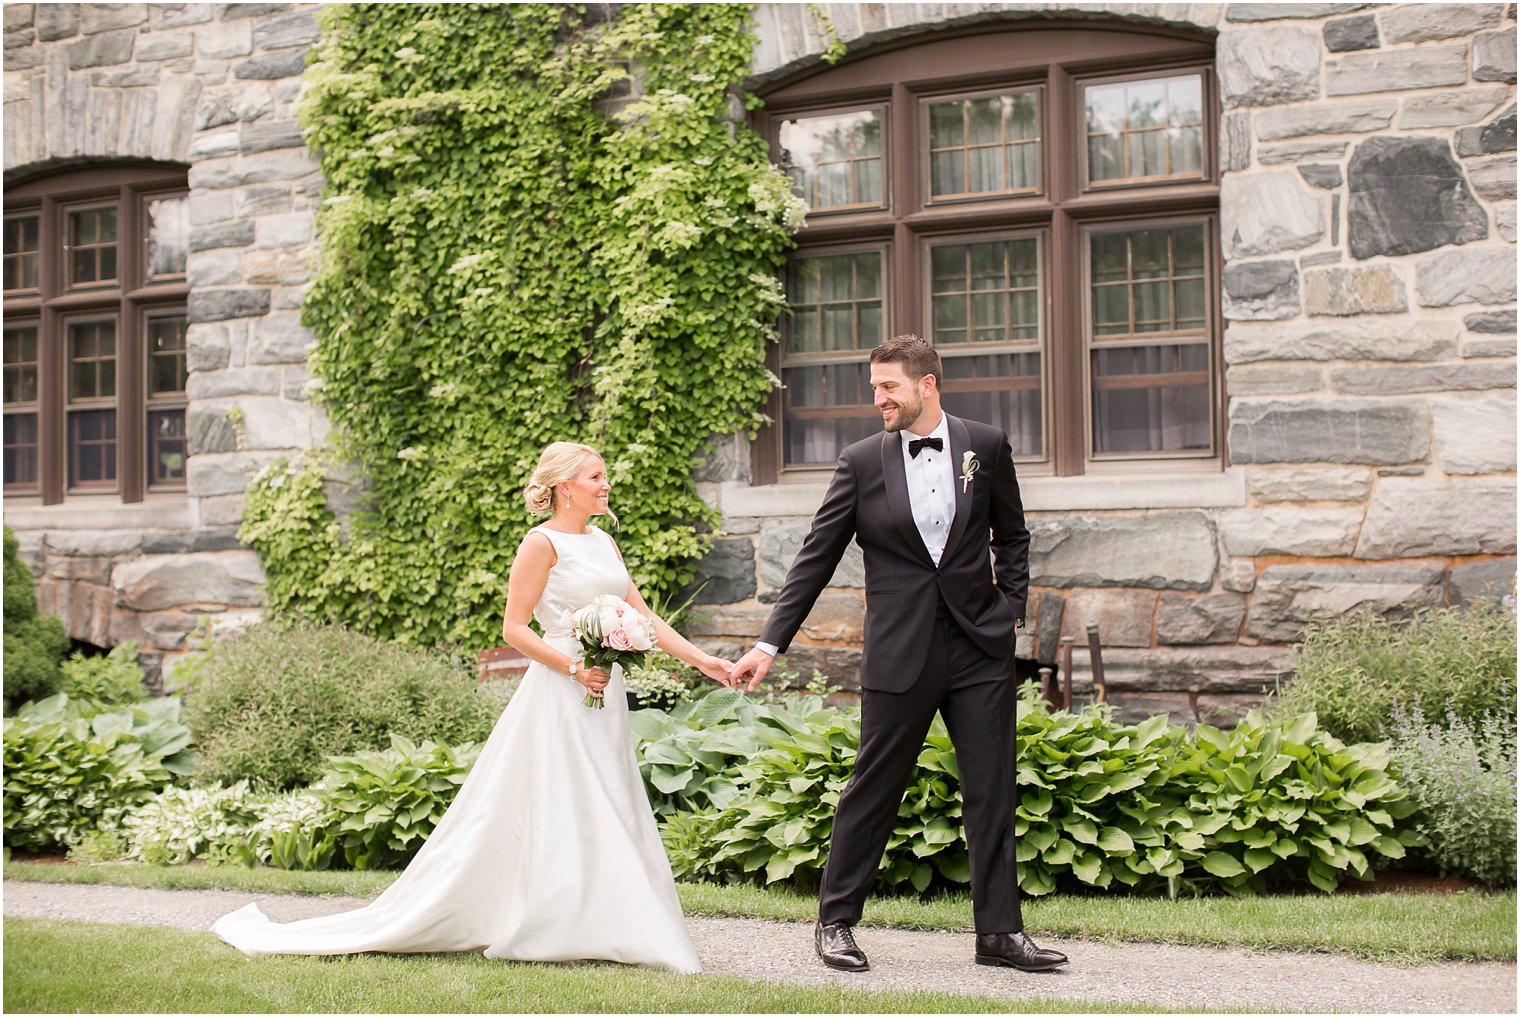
(618, 639)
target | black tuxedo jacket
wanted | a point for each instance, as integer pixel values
(868, 500)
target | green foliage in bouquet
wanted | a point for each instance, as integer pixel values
(270, 703)
(113, 680)
(34, 642)
(504, 264)
(69, 769)
(1354, 671)
(385, 804)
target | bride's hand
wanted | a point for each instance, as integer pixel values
(594, 679)
(717, 669)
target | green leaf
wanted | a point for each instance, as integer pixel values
(1220, 864)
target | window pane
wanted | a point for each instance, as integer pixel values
(1146, 129)
(92, 359)
(168, 240)
(987, 145)
(166, 356)
(826, 408)
(1003, 390)
(166, 447)
(92, 447)
(835, 299)
(987, 292)
(20, 448)
(834, 161)
(1151, 398)
(20, 364)
(1148, 280)
(91, 245)
(23, 259)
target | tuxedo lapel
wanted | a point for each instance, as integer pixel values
(960, 444)
(895, 479)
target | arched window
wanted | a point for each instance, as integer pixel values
(95, 360)
(1040, 201)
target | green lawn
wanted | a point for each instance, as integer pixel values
(61, 967)
(1399, 928)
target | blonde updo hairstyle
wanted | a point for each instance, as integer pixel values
(560, 462)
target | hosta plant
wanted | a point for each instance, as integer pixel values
(179, 824)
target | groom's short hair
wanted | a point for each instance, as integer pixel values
(914, 353)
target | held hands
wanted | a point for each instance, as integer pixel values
(753, 665)
(718, 670)
(594, 679)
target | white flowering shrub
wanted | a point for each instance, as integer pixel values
(181, 824)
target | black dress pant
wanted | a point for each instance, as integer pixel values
(975, 694)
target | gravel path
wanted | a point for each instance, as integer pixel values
(1167, 976)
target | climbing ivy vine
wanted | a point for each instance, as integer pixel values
(503, 265)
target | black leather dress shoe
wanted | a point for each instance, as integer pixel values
(1016, 950)
(836, 947)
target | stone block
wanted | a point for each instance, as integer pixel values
(1493, 56)
(298, 28)
(1504, 219)
(269, 135)
(1425, 22)
(208, 348)
(214, 268)
(214, 145)
(1182, 620)
(1359, 116)
(1308, 483)
(86, 610)
(271, 67)
(1493, 179)
(726, 459)
(1235, 142)
(1468, 275)
(1329, 431)
(234, 383)
(840, 664)
(1483, 346)
(276, 268)
(1166, 550)
(835, 618)
(1299, 151)
(1321, 176)
(263, 200)
(1416, 516)
(264, 167)
(1269, 379)
(1197, 669)
(1268, 211)
(726, 574)
(178, 15)
(231, 12)
(1393, 70)
(104, 17)
(1347, 291)
(1488, 139)
(1475, 433)
(1481, 581)
(223, 41)
(221, 106)
(85, 570)
(1287, 597)
(1289, 530)
(124, 77)
(19, 16)
(222, 304)
(228, 578)
(1403, 379)
(1345, 35)
(1452, 109)
(101, 50)
(1398, 340)
(275, 424)
(230, 234)
(296, 384)
(735, 620)
(222, 511)
(21, 58)
(279, 338)
(292, 230)
(92, 543)
(1275, 12)
(168, 630)
(210, 432)
(1124, 617)
(1238, 576)
(1409, 195)
(56, 21)
(165, 47)
(1268, 66)
(209, 475)
(1491, 322)
(781, 539)
(1260, 290)
(31, 549)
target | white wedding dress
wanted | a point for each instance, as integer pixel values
(549, 852)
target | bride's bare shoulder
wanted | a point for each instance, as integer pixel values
(537, 548)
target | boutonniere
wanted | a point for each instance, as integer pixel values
(969, 466)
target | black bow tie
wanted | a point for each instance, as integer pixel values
(917, 445)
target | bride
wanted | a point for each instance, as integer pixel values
(549, 851)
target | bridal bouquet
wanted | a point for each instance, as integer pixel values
(611, 632)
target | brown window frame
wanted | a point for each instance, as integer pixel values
(127, 300)
(1058, 58)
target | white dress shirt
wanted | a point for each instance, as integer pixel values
(931, 494)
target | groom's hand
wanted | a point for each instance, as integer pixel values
(753, 665)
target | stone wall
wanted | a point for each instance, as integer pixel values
(213, 88)
(1368, 233)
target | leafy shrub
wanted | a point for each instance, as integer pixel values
(66, 773)
(686, 754)
(661, 681)
(1152, 807)
(295, 832)
(384, 804)
(1353, 671)
(112, 680)
(34, 642)
(181, 824)
(1462, 778)
(271, 703)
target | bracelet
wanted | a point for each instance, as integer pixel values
(573, 667)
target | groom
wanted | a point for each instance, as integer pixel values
(925, 499)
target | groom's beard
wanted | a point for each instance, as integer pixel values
(907, 416)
